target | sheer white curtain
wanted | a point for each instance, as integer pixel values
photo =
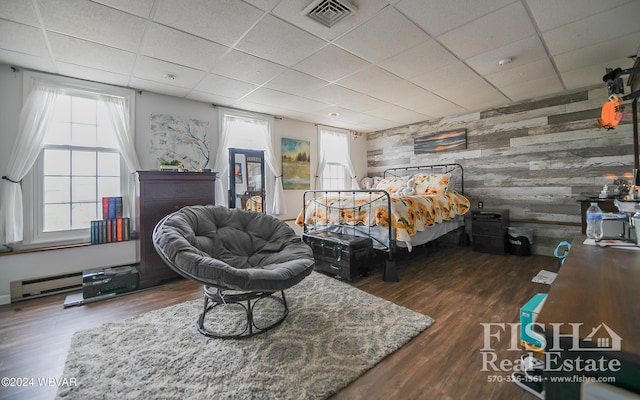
(221, 165)
(334, 148)
(275, 191)
(118, 110)
(34, 118)
(251, 134)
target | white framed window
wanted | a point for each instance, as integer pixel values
(79, 163)
(335, 168)
(334, 177)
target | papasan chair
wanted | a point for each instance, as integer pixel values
(241, 257)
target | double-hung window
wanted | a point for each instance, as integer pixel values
(79, 163)
(335, 167)
(334, 176)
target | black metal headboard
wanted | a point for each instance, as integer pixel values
(456, 170)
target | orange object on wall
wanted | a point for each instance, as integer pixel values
(611, 113)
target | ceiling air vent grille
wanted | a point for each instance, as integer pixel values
(329, 12)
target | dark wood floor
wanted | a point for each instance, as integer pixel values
(459, 288)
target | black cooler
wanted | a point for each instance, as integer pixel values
(345, 256)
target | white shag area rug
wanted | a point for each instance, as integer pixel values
(334, 333)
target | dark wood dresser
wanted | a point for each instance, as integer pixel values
(159, 193)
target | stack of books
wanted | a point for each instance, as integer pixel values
(113, 227)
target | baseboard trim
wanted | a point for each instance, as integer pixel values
(5, 299)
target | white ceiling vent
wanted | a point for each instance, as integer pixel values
(329, 12)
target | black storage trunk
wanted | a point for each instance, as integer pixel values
(346, 256)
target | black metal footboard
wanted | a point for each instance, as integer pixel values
(363, 201)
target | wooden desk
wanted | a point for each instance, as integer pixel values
(594, 286)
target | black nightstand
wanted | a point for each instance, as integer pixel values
(489, 230)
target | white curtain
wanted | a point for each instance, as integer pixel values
(221, 165)
(35, 115)
(118, 110)
(275, 191)
(334, 148)
(259, 137)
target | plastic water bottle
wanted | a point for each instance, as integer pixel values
(594, 222)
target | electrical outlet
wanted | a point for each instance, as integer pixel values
(480, 204)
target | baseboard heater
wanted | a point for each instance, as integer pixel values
(45, 286)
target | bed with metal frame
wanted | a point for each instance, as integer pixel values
(390, 217)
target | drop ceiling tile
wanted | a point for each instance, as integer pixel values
(522, 52)
(93, 74)
(23, 60)
(533, 88)
(23, 39)
(446, 76)
(291, 11)
(180, 48)
(386, 34)
(397, 114)
(344, 115)
(492, 31)
(88, 54)
(245, 67)
(223, 21)
(419, 60)
(294, 82)
(474, 94)
(226, 87)
(331, 63)
(154, 70)
(343, 97)
(141, 8)
(283, 100)
(157, 87)
(620, 21)
(264, 5)
(280, 42)
(524, 72)
(438, 17)
(610, 50)
(592, 74)
(267, 109)
(551, 14)
(430, 104)
(93, 22)
(205, 97)
(19, 11)
(376, 82)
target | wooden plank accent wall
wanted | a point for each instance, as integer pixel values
(534, 158)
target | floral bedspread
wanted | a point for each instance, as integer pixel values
(409, 214)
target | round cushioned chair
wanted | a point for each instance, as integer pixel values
(241, 257)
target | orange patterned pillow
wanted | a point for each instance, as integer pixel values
(392, 185)
(432, 183)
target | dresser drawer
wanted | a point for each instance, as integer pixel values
(173, 190)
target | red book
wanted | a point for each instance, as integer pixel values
(108, 222)
(105, 207)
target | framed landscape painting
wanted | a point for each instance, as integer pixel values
(296, 164)
(440, 141)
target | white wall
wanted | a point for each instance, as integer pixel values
(148, 103)
(32, 265)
